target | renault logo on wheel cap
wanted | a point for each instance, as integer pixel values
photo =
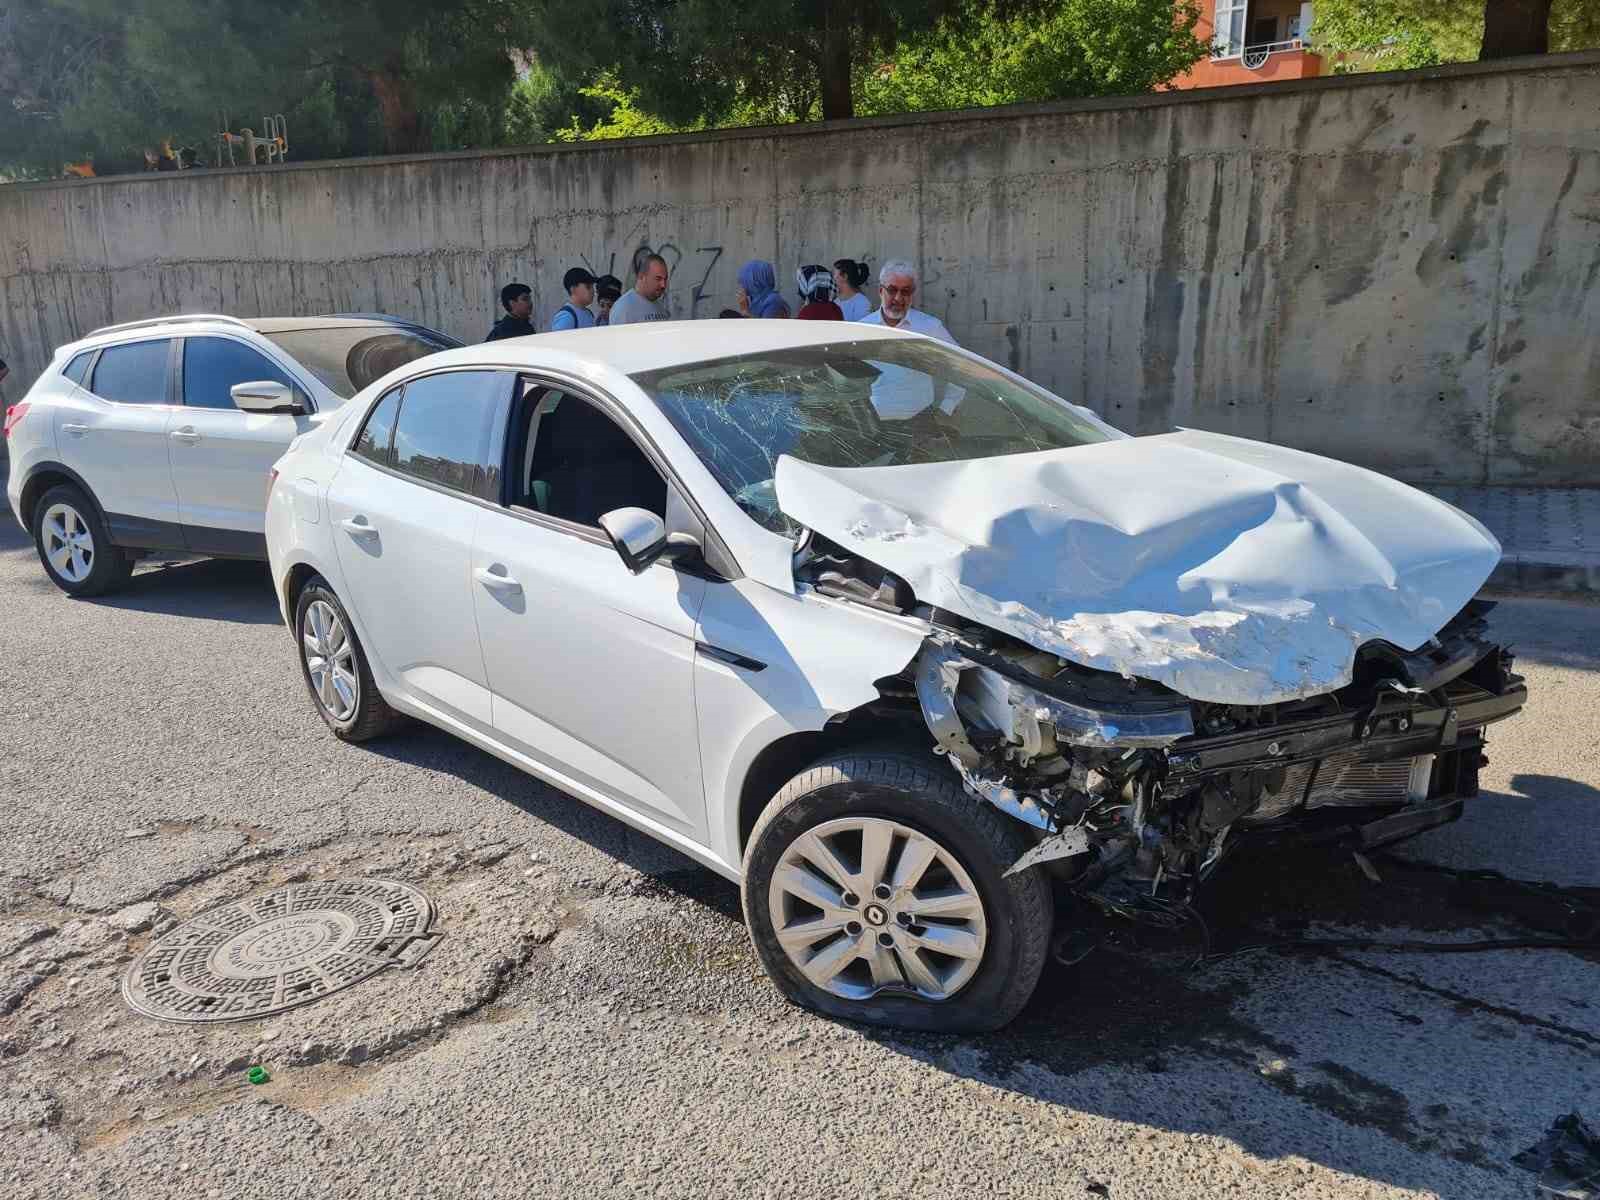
(875, 914)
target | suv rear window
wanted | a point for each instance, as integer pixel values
(135, 373)
(347, 359)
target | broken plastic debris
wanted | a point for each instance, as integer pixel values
(259, 1075)
(1567, 1160)
(1063, 845)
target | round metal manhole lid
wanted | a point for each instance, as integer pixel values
(280, 949)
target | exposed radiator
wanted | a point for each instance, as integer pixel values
(1344, 780)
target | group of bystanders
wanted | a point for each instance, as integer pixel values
(825, 295)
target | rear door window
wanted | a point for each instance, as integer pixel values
(451, 430)
(212, 365)
(79, 367)
(135, 373)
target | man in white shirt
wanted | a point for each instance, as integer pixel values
(897, 288)
(900, 393)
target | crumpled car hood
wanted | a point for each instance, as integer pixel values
(1232, 571)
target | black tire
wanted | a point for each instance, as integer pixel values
(109, 566)
(371, 717)
(920, 792)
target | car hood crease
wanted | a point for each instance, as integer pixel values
(1232, 571)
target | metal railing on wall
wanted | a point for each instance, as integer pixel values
(1255, 57)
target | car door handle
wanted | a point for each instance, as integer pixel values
(186, 435)
(358, 527)
(74, 428)
(496, 580)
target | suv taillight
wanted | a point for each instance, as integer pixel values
(14, 416)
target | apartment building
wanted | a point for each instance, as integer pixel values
(1253, 41)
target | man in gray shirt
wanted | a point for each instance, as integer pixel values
(643, 303)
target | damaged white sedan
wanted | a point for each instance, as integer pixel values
(918, 653)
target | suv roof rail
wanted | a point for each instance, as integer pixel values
(181, 318)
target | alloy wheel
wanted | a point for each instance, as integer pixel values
(864, 905)
(330, 660)
(68, 543)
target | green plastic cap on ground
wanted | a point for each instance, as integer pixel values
(259, 1075)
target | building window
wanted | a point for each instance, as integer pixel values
(1228, 39)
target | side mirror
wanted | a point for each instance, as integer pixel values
(266, 396)
(640, 537)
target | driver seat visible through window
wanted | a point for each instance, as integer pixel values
(580, 464)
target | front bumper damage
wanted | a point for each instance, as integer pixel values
(1133, 793)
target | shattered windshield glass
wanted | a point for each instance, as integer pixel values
(853, 404)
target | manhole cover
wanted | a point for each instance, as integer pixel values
(280, 950)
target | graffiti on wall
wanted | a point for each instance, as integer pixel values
(705, 262)
(699, 263)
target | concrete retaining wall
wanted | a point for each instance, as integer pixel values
(1399, 270)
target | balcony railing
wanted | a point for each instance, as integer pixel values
(1255, 57)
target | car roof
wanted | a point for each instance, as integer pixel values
(218, 323)
(293, 324)
(631, 349)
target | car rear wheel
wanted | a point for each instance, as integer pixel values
(73, 545)
(335, 667)
(875, 890)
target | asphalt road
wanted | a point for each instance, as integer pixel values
(594, 1022)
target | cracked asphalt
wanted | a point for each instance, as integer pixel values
(594, 1021)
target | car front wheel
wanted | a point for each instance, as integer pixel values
(73, 545)
(874, 890)
(335, 667)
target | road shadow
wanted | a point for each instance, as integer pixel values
(1264, 1048)
(13, 538)
(1369, 1064)
(216, 589)
(420, 745)
(1556, 788)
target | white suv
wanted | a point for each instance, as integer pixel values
(894, 638)
(159, 434)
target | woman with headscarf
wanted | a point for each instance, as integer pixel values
(758, 290)
(850, 275)
(816, 290)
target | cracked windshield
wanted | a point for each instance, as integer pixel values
(854, 404)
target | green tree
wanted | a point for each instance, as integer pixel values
(1380, 35)
(111, 78)
(979, 54)
(691, 60)
(1390, 35)
(1073, 48)
(624, 118)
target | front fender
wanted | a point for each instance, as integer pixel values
(815, 658)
